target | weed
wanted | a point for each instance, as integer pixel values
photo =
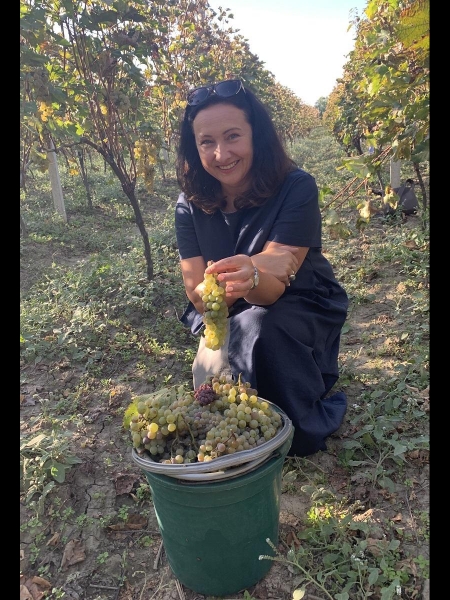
(423, 564)
(143, 493)
(146, 541)
(337, 555)
(102, 558)
(123, 513)
(44, 460)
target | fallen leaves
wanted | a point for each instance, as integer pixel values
(33, 588)
(125, 483)
(73, 554)
(54, 540)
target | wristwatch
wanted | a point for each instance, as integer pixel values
(255, 278)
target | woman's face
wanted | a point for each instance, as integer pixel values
(224, 142)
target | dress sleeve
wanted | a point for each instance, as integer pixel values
(187, 242)
(298, 222)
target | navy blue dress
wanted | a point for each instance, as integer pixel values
(288, 350)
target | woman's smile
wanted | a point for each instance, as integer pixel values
(228, 167)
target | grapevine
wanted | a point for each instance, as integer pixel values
(175, 425)
(215, 311)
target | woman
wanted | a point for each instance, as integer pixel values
(246, 206)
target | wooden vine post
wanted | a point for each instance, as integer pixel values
(55, 180)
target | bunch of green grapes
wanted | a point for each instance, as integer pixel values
(215, 312)
(176, 426)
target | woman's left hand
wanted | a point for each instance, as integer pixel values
(280, 260)
(235, 273)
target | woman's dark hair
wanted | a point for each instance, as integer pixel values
(270, 163)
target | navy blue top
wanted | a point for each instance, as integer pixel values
(288, 350)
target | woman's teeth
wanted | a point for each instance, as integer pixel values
(225, 168)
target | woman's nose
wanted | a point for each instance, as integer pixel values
(220, 152)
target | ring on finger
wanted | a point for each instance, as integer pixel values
(292, 277)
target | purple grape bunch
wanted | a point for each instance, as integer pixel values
(205, 394)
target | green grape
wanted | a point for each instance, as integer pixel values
(215, 312)
(136, 439)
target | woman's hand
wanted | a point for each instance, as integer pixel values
(280, 260)
(235, 273)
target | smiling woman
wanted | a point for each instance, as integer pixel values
(249, 216)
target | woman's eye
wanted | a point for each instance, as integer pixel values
(204, 142)
(233, 136)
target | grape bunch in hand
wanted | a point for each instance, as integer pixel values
(215, 311)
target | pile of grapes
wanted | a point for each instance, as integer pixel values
(175, 425)
(215, 311)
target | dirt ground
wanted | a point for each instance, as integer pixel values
(134, 565)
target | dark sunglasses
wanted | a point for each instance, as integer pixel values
(223, 89)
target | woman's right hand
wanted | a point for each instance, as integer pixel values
(235, 274)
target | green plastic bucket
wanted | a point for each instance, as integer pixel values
(213, 533)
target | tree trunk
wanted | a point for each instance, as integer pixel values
(416, 167)
(128, 187)
(85, 178)
(164, 160)
(422, 185)
(23, 227)
(380, 181)
(161, 168)
(129, 192)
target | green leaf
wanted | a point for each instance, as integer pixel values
(346, 328)
(373, 576)
(330, 558)
(394, 544)
(60, 40)
(399, 448)
(58, 472)
(32, 59)
(48, 488)
(368, 439)
(130, 412)
(351, 444)
(290, 477)
(387, 483)
(73, 460)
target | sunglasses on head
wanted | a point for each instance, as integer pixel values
(223, 89)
